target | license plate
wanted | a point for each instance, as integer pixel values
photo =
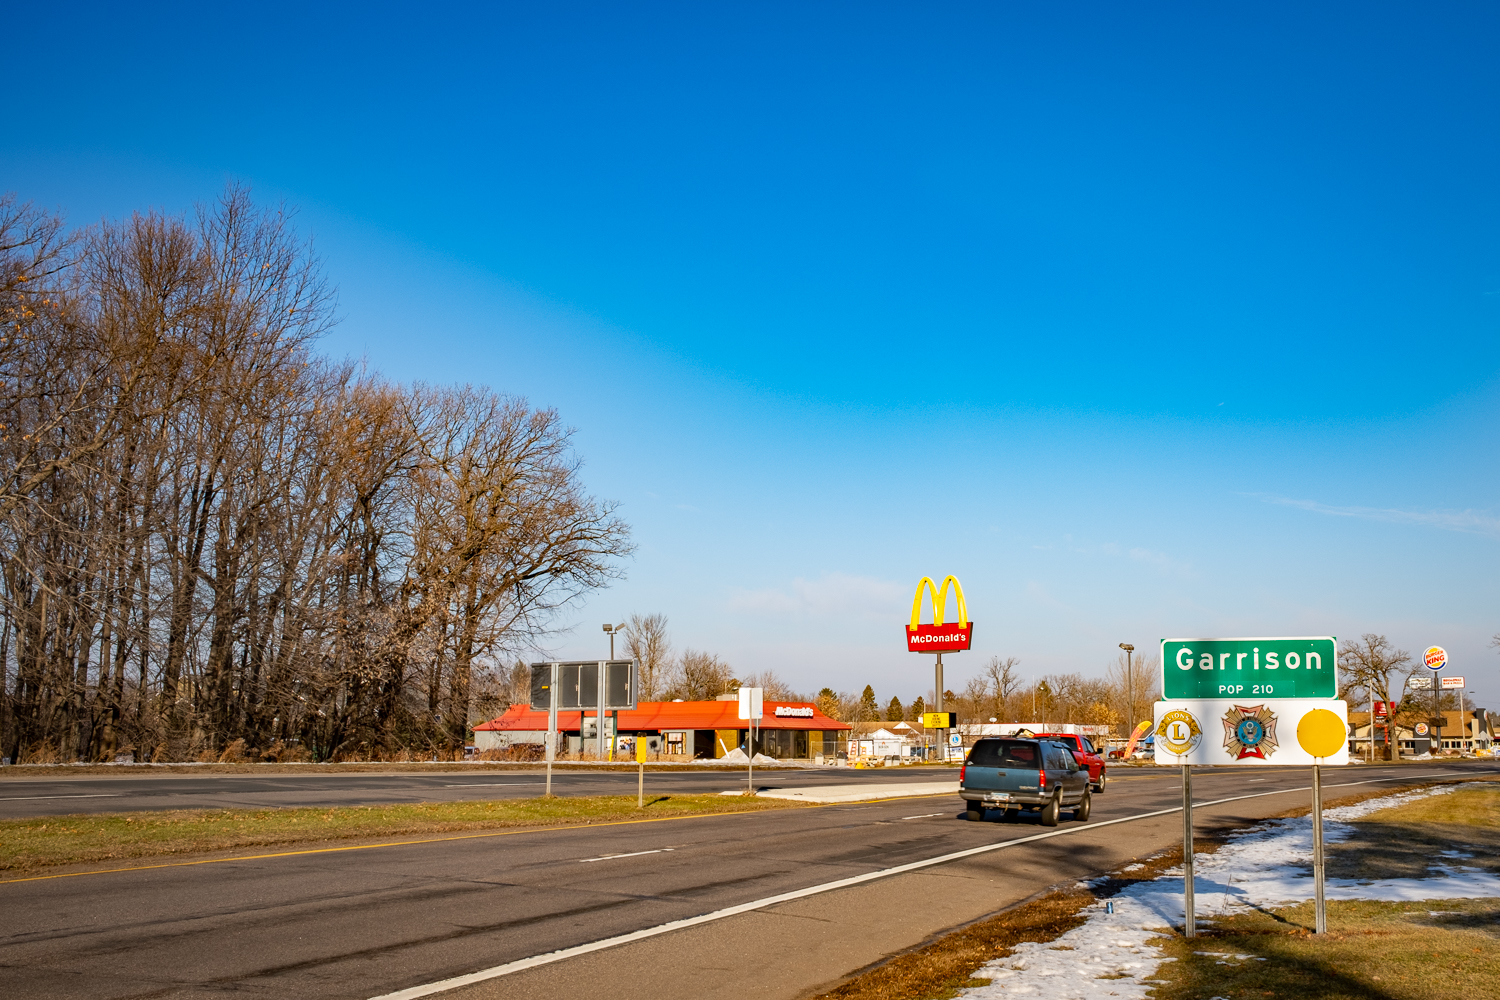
(997, 797)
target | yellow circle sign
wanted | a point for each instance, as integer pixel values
(1321, 733)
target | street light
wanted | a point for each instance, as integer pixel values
(612, 629)
(1129, 689)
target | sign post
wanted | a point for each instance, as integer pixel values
(1322, 734)
(1188, 923)
(940, 637)
(551, 722)
(641, 746)
(752, 709)
(1436, 658)
(1252, 690)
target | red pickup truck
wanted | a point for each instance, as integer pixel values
(1085, 754)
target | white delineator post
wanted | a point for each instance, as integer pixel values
(1188, 922)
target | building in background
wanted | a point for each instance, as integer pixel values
(685, 730)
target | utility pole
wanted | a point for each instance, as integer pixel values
(611, 631)
(1129, 689)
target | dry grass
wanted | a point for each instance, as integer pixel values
(27, 845)
(1431, 950)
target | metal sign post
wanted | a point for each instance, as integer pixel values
(942, 737)
(752, 708)
(1188, 923)
(551, 722)
(640, 775)
(1320, 912)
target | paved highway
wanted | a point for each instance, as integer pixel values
(369, 922)
(22, 797)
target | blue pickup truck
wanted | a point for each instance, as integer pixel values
(1032, 774)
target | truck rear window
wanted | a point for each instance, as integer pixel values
(1004, 753)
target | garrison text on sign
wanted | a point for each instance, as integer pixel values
(1289, 667)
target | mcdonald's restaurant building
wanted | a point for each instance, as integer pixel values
(691, 730)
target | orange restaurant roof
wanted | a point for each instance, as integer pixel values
(663, 715)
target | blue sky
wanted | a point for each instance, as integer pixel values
(1145, 321)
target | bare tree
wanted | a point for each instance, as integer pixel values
(774, 687)
(1371, 668)
(702, 676)
(214, 541)
(646, 642)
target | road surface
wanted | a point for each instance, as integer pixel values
(370, 922)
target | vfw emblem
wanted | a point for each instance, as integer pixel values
(1250, 732)
(1179, 732)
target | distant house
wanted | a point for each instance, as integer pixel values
(791, 730)
(1471, 730)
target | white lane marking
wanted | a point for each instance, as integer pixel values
(925, 816)
(33, 798)
(633, 854)
(492, 784)
(521, 965)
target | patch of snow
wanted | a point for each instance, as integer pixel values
(1267, 865)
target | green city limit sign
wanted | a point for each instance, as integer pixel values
(1304, 667)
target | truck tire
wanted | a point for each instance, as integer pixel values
(1103, 780)
(1084, 807)
(1051, 810)
(975, 814)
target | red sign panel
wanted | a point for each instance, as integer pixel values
(952, 638)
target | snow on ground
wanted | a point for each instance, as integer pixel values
(1267, 865)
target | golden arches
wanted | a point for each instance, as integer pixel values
(939, 601)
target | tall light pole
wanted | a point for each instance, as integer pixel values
(611, 630)
(1129, 689)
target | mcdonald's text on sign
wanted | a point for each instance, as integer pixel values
(940, 636)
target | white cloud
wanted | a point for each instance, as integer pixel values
(1466, 521)
(832, 594)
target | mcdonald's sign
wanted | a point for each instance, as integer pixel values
(939, 637)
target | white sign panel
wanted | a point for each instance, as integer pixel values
(752, 703)
(1249, 731)
(1451, 682)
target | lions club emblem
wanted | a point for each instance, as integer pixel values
(1250, 732)
(1179, 733)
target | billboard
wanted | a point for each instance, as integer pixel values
(578, 685)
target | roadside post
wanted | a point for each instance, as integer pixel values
(1436, 658)
(1189, 924)
(752, 708)
(544, 697)
(1322, 734)
(940, 637)
(641, 746)
(1248, 689)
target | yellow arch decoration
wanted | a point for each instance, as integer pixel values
(939, 601)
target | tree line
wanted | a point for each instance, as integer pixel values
(219, 543)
